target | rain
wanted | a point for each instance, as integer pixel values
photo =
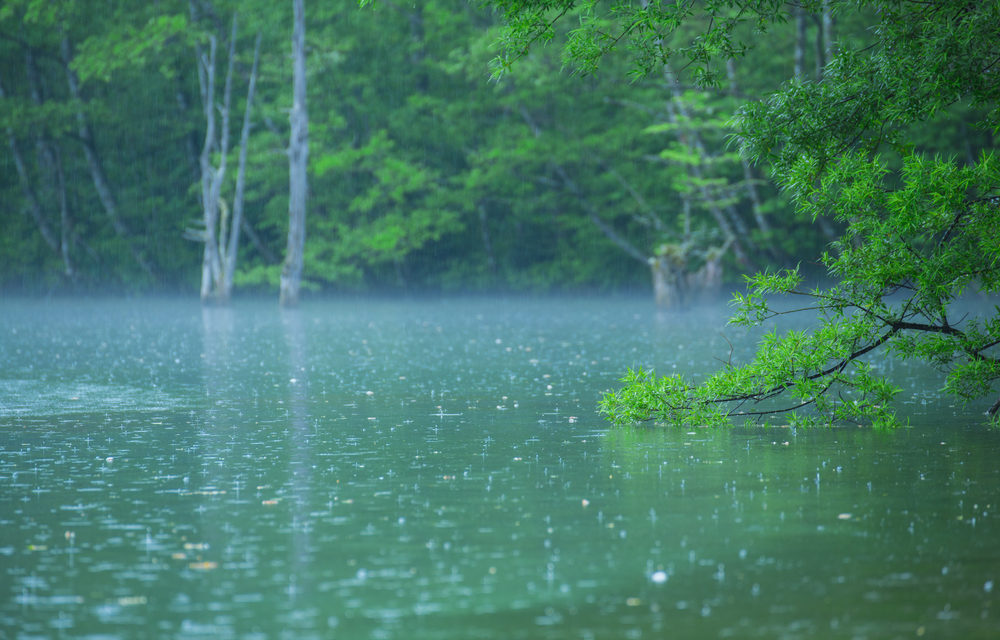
(399, 472)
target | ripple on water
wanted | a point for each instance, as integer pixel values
(46, 398)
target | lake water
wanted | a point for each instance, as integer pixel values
(375, 469)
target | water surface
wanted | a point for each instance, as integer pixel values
(437, 470)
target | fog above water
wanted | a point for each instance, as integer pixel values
(437, 469)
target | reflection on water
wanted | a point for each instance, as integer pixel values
(409, 470)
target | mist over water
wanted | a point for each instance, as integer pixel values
(437, 469)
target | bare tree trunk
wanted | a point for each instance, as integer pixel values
(298, 157)
(209, 205)
(216, 139)
(232, 248)
(800, 43)
(820, 57)
(827, 29)
(101, 184)
(221, 234)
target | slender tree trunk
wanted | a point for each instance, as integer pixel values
(209, 205)
(298, 157)
(222, 232)
(828, 31)
(191, 143)
(216, 138)
(233, 245)
(101, 184)
(800, 43)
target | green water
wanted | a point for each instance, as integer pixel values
(437, 470)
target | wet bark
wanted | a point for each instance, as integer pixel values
(221, 230)
(211, 177)
(232, 248)
(827, 28)
(676, 284)
(298, 157)
(669, 280)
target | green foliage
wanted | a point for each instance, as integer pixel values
(919, 227)
(423, 174)
(130, 46)
(644, 29)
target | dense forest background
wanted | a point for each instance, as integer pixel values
(131, 144)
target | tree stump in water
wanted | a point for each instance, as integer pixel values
(674, 285)
(669, 271)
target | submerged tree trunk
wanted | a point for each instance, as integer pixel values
(676, 283)
(221, 234)
(668, 270)
(211, 177)
(298, 157)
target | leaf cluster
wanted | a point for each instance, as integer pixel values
(919, 230)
